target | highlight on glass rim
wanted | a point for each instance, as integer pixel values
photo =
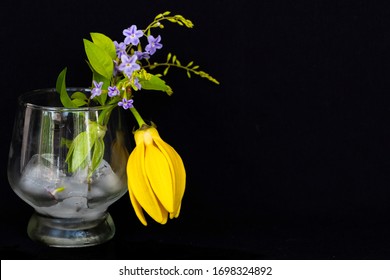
(156, 175)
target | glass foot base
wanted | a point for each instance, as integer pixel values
(72, 232)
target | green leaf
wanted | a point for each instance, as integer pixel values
(155, 83)
(79, 102)
(79, 151)
(79, 95)
(99, 59)
(61, 89)
(66, 142)
(97, 155)
(79, 99)
(81, 146)
(60, 83)
(104, 43)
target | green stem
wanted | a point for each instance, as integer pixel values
(169, 65)
(137, 116)
(153, 23)
(195, 71)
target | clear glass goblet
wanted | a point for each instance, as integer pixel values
(69, 164)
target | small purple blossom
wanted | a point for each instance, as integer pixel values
(97, 90)
(116, 70)
(126, 104)
(128, 65)
(113, 91)
(120, 48)
(154, 44)
(132, 35)
(137, 84)
(142, 55)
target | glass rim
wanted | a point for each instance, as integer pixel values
(23, 100)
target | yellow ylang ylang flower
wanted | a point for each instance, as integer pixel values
(156, 177)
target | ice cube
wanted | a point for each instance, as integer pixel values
(68, 208)
(104, 182)
(39, 177)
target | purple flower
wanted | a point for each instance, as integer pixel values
(116, 70)
(126, 104)
(154, 43)
(137, 84)
(97, 90)
(132, 35)
(128, 65)
(142, 55)
(113, 91)
(120, 48)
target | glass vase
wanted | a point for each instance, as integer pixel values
(69, 164)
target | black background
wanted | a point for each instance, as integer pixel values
(287, 159)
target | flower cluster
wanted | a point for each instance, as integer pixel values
(156, 174)
(126, 64)
(121, 68)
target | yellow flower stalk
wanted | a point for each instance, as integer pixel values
(119, 155)
(156, 177)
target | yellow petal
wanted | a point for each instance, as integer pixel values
(177, 170)
(175, 215)
(158, 172)
(165, 217)
(156, 137)
(139, 184)
(137, 209)
(180, 174)
(178, 211)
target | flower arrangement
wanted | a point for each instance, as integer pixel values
(155, 172)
